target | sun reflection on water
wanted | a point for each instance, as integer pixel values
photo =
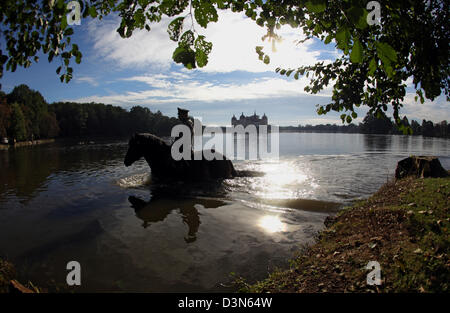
(282, 180)
(272, 224)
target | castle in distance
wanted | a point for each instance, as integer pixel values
(249, 120)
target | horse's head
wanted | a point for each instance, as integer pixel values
(139, 143)
(135, 151)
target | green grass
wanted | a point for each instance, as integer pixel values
(427, 265)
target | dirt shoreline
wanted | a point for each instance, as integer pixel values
(404, 227)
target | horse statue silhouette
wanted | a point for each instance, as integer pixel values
(157, 153)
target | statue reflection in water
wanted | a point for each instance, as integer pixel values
(161, 205)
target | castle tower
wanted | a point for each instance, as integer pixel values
(264, 120)
(233, 120)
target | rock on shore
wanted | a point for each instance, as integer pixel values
(421, 167)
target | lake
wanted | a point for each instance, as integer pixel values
(62, 202)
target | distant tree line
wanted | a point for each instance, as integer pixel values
(25, 115)
(373, 125)
(97, 119)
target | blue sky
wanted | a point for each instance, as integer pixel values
(140, 71)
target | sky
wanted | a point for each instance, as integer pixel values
(140, 71)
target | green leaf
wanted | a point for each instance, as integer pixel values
(358, 16)
(388, 69)
(187, 39)
(60, 4)
(63, 22)
(204, 13)
(51, 55)
(356, 56)
(202, 50)
(343, 38)
(78, 58)
(387, 54)
(266, 59)
(139, 18)
(92, 12)
(201, 58)
(260, 22)
(201, 43)
(68, 32)
(362, 22)
(316, 6)
(384, 49)
(372, 66)
(185, 55)
(420, 94)
(175, 28)
(173, 7)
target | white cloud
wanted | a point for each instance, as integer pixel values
(87, 79)
(234, 39)
(157, 81)
(144, 49)
(164, 89)
(436, 111)
(314, 120)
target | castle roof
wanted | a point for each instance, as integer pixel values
(249, 119)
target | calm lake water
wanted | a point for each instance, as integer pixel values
(63, 202)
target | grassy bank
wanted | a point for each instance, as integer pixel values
(404, 227)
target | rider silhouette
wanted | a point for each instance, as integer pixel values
(184, 118)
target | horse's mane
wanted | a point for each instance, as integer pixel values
(147, 138)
